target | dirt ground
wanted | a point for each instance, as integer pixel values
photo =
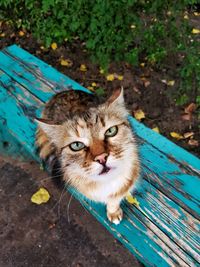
(144, 87)
(54, 234)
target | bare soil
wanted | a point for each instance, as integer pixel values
(60, 233)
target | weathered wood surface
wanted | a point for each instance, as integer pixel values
(164, 229)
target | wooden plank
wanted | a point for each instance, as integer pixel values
(15, 139)
(38, 77)
(17, 121)
(44, 74)
(177, 183)
(163, 231)
(170, 218)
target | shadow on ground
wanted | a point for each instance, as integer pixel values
(53, 234)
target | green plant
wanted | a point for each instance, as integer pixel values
(118, 30)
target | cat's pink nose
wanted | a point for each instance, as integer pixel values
(101, 158)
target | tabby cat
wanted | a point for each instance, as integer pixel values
(94, 144)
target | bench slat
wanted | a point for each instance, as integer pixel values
(28, 69)
(163, 230)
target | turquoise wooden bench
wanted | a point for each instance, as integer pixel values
(164, 229)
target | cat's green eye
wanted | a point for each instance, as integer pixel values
(76, 146)
(112, 131)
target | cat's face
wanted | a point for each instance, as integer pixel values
(96, 145)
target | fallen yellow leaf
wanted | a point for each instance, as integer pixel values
(102, 71)
(133, 26)
(54, 46)
(176, 135)
(186, 17)
(66, 62)
(171, 83)
(90, 88)
(139, 114)
(21, 33)
(132, 200)
(120, 77)
(83, 67)
(110, 77)
(94, 84)
(195, 31)
(41, 196)
(156, 129)
(2, 34)
(196, 13)
(142, 64)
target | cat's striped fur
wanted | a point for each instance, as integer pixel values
(107, 165)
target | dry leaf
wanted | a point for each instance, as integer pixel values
(196, 13)
(156, 129)
(136, 90)
(90, 88)
(21, 33)
(171, 83)
(41, 196)
(110, 77)
(51, 226)
(2, 34)
(133, 26)
(195, 31)
(66, 62)
(102, 71)
(146, 83)
(193, 142)
(139, 114)
(54, 46)
(83, 68)
(132, 200)
(188, 135)
(186, 17)
(120, 77)
(176, 135)
(164, 81)
(186, 117)
(94, 84)
(142, 64)
(190, 108)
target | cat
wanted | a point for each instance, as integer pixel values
(94, 144)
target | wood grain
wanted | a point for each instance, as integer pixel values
(164, 229)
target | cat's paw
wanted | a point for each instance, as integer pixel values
(116, 216)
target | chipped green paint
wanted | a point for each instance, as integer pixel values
(164, 229)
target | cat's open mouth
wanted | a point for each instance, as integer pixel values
(105, 169)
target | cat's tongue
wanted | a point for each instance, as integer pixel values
(105, 169)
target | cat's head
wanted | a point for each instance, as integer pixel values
(97, 144)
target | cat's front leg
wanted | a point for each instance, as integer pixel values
(114, 212)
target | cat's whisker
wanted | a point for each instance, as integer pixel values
(59, 200)
(47, 178)
(64, 190)
(68, 205)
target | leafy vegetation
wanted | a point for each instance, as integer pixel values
(134, 31)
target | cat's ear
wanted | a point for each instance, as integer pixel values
(53, 131)
(117, 98)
